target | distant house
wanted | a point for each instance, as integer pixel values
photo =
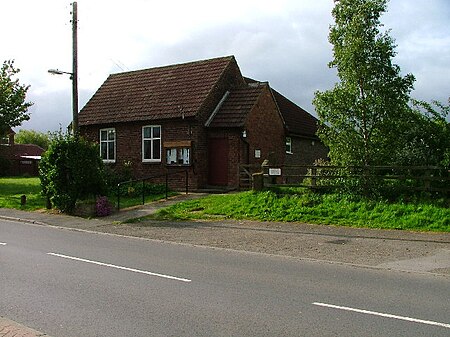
(203, 116)
(18, 159)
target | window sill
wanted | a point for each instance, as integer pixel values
(178, 165)
(151, 161)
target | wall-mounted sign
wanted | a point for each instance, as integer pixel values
(274, 172)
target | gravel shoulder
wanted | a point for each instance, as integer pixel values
(336, 244)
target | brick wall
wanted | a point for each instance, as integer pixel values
(129, 148)
(305, 151)
(265, 131)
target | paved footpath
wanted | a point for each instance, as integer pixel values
(10, 328)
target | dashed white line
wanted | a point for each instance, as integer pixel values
(2, 243)
(368, 312)
(120, 267)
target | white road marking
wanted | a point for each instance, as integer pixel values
(409, 319)
(2, 243)
(120, 267)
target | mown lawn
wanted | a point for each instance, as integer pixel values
(422, 215)
(11, 189)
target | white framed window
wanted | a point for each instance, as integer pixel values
(178, 156)
(151, 143)
(108, 145)
(289, 145)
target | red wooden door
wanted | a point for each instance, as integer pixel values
(218, 161)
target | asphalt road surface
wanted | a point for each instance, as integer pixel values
(69, 284)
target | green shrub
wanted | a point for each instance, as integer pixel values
(71, 169)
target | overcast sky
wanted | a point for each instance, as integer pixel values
(284, 42)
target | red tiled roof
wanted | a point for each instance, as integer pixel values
(236, 107)
(298, 121)
(155, 93)
(19, 150)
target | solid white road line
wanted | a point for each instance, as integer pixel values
(120, 267)
(409, 319)
(2, 243)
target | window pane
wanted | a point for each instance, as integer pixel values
(103, 151)
(103, 134)
(156, 132)
(147, 132)
(147, 150)
(157, 149)
(111, 150)
(111, 134)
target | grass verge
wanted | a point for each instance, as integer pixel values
(419, 215)
(11, 189)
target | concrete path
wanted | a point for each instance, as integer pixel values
(10, 328)
(150, 208)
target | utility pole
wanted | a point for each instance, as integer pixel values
(75, 69)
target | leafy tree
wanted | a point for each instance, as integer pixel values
(426, 135)
(13, 108)
(69, 170)
(362, 115)
(32, 137)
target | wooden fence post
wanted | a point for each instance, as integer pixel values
(427, 182)
(313, 176)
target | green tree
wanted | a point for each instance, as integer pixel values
(426, 135)
(32, 137)
(362, 114)
(70, 170)
(13, 108)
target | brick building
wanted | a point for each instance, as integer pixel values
(18, 159)
(203, 117)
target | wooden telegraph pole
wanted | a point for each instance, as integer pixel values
(75, 69)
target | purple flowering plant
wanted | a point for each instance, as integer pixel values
(102, 206)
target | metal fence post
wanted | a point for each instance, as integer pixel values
(118, 197)
(187, 182)
(143, 192)
(167, 184)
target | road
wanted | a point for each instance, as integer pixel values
(69, 284)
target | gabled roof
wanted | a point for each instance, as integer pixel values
(173, 91)
(236, 107)
(298, 121)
